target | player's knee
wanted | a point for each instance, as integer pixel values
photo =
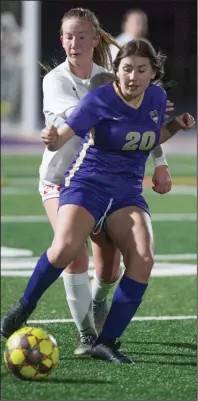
(146, 263)
(109, 272)
(62, 253)
(80, 264)
(140, 265)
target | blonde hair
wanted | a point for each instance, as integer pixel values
(102, 54)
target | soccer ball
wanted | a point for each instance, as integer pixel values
(31, 353)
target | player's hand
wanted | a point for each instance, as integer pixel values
(169, 108)
(49, 136)
(161, 179)
(186, 121)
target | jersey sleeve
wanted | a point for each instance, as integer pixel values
(85, 116)
(56, 95)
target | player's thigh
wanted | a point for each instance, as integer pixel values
(106, 257)
(80, 264)
(74, 223)
(51, 209)
(73, 226)
(131, 230)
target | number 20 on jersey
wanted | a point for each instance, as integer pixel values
(147, 141)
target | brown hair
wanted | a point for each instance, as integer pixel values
(142, 48)
(102, 55)
(142, 14)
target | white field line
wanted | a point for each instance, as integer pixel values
(29, 262)
(176, 190)
(15, 252)
(7, 254)
(136, 319)
(155, 217)
(159, 270)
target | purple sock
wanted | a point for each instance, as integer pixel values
(43, 276)
(126, 300)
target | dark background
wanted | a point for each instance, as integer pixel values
(172, 28)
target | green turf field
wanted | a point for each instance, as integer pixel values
(164, 350)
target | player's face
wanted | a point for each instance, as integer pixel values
(135, 25)
(134, 74)
(78, 40)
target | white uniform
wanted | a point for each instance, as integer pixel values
(62, 91)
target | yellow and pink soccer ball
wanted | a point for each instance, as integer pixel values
(31, 353)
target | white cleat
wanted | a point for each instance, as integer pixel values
(85, 344)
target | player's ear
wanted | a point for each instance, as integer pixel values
(96, 40)
(61, 40)
(153, 74)
(117, 74)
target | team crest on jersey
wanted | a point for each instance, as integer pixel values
(154, 115)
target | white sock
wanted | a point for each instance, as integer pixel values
(78, 294)
(100, 289)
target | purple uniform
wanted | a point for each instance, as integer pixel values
(109, 168)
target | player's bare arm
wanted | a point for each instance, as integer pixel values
(183, 122)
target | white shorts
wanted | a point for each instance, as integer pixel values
(49, 191)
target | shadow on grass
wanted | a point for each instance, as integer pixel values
(163, 354)
(167, 344)
(74, 381)
(189, 346)
(58, 380)
(173, 363)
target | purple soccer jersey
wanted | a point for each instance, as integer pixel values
(108, 172)
(117, 139)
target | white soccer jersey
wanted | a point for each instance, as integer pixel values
(62, 91)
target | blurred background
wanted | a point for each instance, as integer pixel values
(30, 33)
(163, 344)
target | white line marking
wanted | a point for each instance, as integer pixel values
(176, 190)
(182, 256)
(155, 217)
(159, 270)
(29, 263)
(9, 255)
(137, 319)
(174, 217)
(14, 252)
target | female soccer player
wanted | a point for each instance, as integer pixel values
(120, 124)
(84, 42)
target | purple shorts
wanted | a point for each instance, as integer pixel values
(100, 205)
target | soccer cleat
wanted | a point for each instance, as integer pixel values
(100, 313)
(107, 350)
(14, 318)
(85, 344)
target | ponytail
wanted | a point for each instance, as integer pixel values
(102, 54)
